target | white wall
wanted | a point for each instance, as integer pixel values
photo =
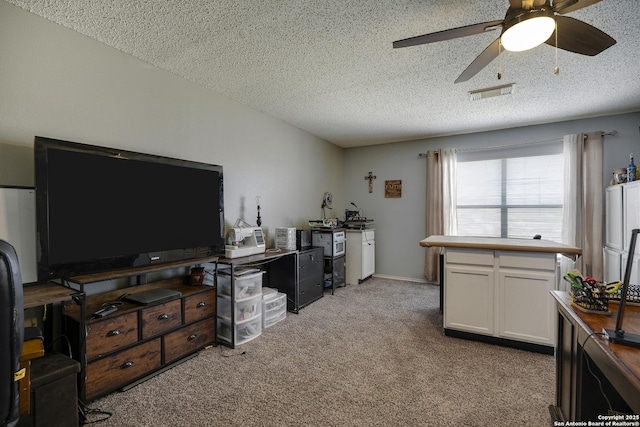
(57, 83)
(400, 223)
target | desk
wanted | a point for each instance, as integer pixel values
(287, 272)
(618, 367)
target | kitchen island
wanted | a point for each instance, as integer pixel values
(498, 289)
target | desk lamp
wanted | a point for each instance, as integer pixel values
(619, 336)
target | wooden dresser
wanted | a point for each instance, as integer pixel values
(138, 340)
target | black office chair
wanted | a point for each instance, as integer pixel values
(11, 334)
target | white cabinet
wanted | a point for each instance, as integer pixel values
(361, 255)
(635, 272)
(526, 311)
(622, 216)
(614, 236)
(502, 294)
(630, 210)
(612, 265)
(468, 292)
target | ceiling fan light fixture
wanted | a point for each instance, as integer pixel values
(490, 92)
(528, 30)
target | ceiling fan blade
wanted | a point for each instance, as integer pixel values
(452, 33)
(488, 55)
(566, 6)
(579, 37)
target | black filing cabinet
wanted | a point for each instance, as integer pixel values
(306, 284)
(310, 277)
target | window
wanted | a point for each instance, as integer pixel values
(513, 192)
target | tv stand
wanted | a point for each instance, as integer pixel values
(136, 341)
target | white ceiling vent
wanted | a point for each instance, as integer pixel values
(490, 92)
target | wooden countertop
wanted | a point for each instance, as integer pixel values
(502, 244)
(621, 364)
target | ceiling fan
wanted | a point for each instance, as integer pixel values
(530, 23)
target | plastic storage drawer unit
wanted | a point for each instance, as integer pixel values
(244, 331)
(245, 285)
(274, 308)
(243, 310)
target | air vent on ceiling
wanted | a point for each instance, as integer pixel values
(490, 92)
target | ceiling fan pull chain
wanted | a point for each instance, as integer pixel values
(556, 70)
(500, 60)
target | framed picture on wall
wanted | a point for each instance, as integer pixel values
(393, 189)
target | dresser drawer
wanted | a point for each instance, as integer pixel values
(528, 260)
(108, 374)
(199, 306)
(309, 289)
(189, 339)
(160, 318)
(109, 335)
(469, 257)
(310, 263)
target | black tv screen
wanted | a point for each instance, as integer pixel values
(101, 208)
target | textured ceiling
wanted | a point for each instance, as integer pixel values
(328, 66)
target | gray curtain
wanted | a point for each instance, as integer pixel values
(435, 224)
(441, 204)
(583, 205)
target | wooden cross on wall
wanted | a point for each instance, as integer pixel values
(370, 177)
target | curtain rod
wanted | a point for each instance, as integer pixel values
(494, 147)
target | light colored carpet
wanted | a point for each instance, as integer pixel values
(373, 354)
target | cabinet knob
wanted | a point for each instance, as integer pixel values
(163, 316)
(201, 304)
(113, 333)
(127, 364)
(192, 337)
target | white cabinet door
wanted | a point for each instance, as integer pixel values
(612, 265)
(631, 210)
(525, 307)
(614, 235)
(368, 258)
(361, 255)
(468, 298)
(635, 272)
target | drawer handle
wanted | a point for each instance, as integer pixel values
(163, 316)
(201, 304)
(192, 337)
(127, 364)
(113, 333)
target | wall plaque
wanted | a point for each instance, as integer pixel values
(393, 189)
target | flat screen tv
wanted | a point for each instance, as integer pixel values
(100, 209)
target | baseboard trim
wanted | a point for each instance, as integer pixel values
(404, 279)
(536, 348)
